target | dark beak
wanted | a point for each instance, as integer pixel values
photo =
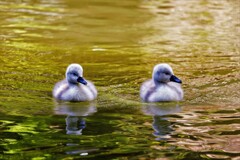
(175, 79)
(81, 80)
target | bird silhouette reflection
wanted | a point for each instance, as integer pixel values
(160, 113)
(76, 113)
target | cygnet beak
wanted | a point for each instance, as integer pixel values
(82, 80)
(175, 79)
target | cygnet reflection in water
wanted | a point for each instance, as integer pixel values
(161, 125)
(75, 121)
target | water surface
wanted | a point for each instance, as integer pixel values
(118, 43)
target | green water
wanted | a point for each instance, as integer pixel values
(118, 43)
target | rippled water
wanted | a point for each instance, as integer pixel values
(118, 43)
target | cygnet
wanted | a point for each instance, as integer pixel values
(74, 87)
(164, 86)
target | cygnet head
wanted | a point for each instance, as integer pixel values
(74, 74)
(163, 73)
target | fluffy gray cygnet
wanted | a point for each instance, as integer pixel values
(74, 87)
(164, 86)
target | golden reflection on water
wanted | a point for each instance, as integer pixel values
(198, 136)
(118, 43)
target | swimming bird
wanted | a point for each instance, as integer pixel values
(164, 85)
(74, 87)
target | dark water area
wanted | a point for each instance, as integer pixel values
(118, 43)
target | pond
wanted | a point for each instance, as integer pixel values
(118, 43)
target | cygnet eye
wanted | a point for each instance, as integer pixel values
(167, 73)
(75, 74)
